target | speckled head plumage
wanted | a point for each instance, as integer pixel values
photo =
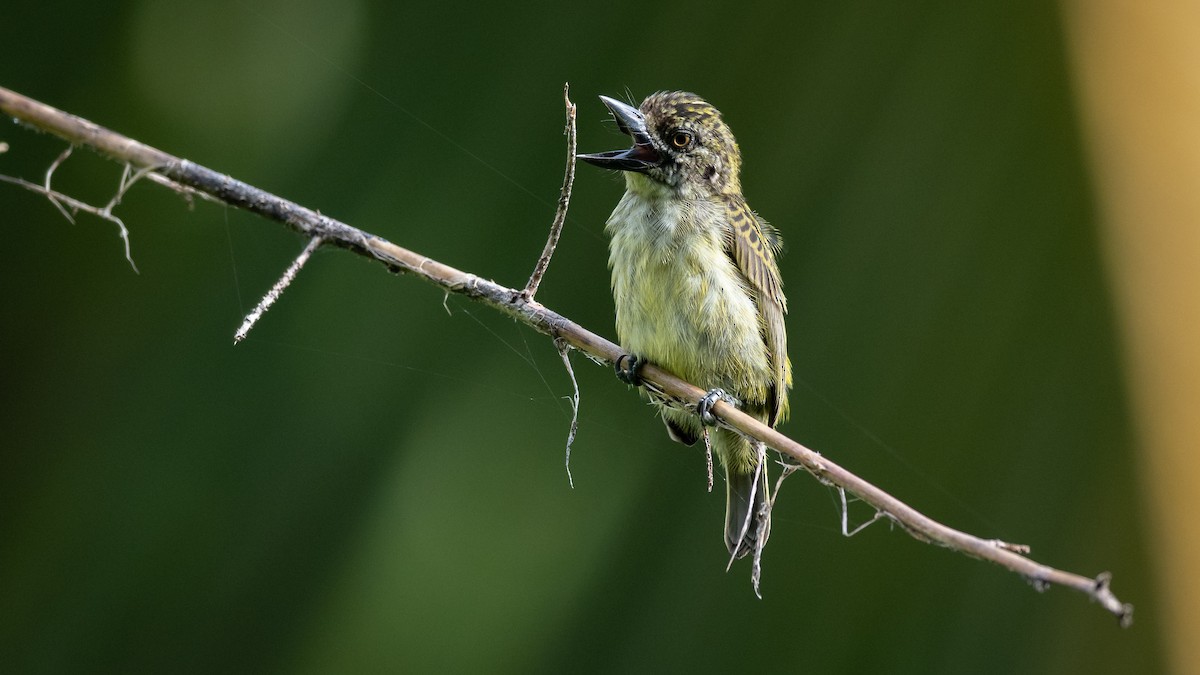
(680, 141)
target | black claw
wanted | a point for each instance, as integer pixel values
(704, 407)
(628, 367)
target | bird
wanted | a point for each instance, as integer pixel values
(697, 289)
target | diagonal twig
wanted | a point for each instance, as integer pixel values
(289, 275)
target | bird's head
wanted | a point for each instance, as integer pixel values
(680, 144)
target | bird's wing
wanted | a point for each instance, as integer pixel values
(753, 244)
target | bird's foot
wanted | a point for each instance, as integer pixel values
(705, 405)
(628, 368)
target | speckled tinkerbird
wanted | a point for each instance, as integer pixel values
(696, 286)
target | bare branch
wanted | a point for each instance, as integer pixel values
(514, 303)
(564, 199)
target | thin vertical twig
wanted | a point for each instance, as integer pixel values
(564, 200)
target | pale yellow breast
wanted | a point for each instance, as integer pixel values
(681, 301)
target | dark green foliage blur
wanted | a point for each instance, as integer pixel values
(374, 482)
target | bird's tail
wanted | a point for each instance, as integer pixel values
(747, 515)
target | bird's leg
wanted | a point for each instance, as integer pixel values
(705, 405)
(627, 367)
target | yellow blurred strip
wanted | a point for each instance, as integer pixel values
(1137, 71)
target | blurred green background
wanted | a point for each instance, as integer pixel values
(372, 484)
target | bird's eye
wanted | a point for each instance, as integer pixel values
(681, 139)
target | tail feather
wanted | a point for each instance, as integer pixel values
(747, 516)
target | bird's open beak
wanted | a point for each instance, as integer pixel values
(641, 156)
